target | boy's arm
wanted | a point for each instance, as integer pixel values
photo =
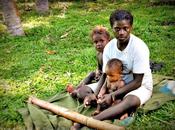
(102, 90)
(100, 83)
(99, 66)
(99, 58)
(136, 83)
(93, 97)
(87, 80)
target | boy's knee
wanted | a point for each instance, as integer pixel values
(90, 100)
(132, 101)
(83, 92)
(92, 74)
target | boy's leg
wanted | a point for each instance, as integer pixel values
(97, 111)
(83, 92)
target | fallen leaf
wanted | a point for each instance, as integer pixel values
(64, 35)
(51, 52)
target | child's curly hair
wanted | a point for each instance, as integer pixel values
(101, 30)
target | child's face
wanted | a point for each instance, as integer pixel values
(99, 41)
(113, 74)
(122, 30)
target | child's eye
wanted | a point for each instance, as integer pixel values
(95, 42)
(102, 40)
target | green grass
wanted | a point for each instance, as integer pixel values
(27, 69)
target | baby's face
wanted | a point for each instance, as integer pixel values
(99, 41)
(113, 78)
(113, 75)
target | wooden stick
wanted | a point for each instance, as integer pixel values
(74, 116)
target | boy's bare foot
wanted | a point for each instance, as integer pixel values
(124, 116)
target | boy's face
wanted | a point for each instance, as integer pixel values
(122, 30)
(99, 41)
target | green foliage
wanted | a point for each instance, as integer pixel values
(57, 50)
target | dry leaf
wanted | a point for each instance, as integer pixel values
(64, 35)
(51, 52)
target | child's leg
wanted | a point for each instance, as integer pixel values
(97, 111)
(90, 100)
(83, 92)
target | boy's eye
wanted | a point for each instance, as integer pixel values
(117, 29)
(101, 41)
(125, 28)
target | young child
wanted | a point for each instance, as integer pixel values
(100, 37)
(113, 82)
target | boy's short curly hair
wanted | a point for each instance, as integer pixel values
(118, 15)
(101, 30)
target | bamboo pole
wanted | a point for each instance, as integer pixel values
(74, 116)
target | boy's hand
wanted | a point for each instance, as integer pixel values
(106, 100)
(98, 75)
(100, 95)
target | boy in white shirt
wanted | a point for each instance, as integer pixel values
(134, 54)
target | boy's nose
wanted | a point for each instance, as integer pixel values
(121, 32)
(98, 43)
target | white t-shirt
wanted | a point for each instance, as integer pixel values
(135, 59)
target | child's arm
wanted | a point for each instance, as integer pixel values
(102, 90)
(100, 83)
(99, 67)
(93, 75)
(87, 80)
(91, 99)
(121, 84)
(116, 85)
(98, 74)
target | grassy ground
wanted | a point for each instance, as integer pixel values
(57, 50)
